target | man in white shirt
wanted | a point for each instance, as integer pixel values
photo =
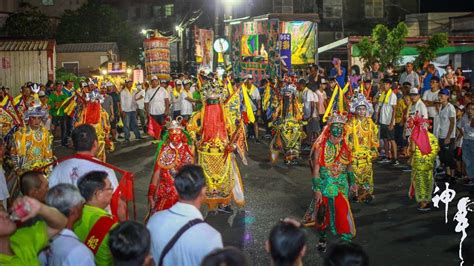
(410, 76)
(446, 133)
(310, 112)
(140, 99)
(189, 248)
(129, 110)
(66, 249)
(157, 101)
(417, 106)
(430, 98)
(386, 118)
(85, 143)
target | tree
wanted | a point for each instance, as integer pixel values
(384, 45)
(29, 22)
(96, 22)
(427, 51)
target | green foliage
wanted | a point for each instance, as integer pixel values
(96, 22)
(63, 75)
(384, 45)
(28, 23)
(427, 51)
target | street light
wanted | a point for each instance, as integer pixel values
(104, 72)
(144, 32)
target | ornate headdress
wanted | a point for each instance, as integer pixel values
(212, 91)
(35, 111)
(94, 96)
(175, 125)
(337, 117)
(360, 100)
(35, 87)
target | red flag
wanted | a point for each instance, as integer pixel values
(153, 128)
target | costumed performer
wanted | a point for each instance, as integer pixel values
(332, 179)
(423, 150)
(362, 136)
(173, 152)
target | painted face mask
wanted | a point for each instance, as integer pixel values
(175, 136)
(361, 111)
(337, 129)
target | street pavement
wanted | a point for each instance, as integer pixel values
(390, 229)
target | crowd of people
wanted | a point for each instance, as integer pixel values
(73, 211)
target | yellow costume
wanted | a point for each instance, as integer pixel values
(362, 136)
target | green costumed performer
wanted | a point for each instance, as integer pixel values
(332, 178)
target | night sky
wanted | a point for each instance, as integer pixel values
(447, 6)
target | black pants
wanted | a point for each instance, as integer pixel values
(446, 153)
(62, 123)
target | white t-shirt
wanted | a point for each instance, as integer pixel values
(387, 109)
(445, 113)
(176, 101)
(431, 96)
(127, 100)
(419, 107)
(308, 98)
(186, 106)
(71, 170)
(157, 104)
(141, 102)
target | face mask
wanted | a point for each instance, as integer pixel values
(336, 130)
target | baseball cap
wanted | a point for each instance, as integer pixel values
(387, 80)
(178, 82)
(186, 82)
(444, 92)
(435, 78)
(249, 76)
(163, 81)
(323, 81)
(302, 81)
(414, 91)
(154, 78)
(41, 94)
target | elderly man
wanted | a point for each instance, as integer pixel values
(95, 223)
(34, 184)
(66, 249)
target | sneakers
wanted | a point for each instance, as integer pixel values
(395, 163)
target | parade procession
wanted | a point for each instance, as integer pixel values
(236, 132)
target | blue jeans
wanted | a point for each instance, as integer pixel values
(130, 123)
(468, 157)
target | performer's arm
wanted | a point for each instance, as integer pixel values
(351, 176)
(155, 180)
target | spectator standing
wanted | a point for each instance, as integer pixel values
(430, 98)
(66, 249)
(459, 77)
(187, 100)
(129, 110)
(467, 128)
(176, 98)
(446, 132)
(375, 75)
(95, 223)
(130, 244)
(410, 76)
(355, 76)
(56, 99)
(112, 91)
(286, 243)
(108, 103)
(339, 72)
(322, 99)
(427, 77)
(449, 78)
(140, 99)
(157, 100)
(310, 112)
(386, 118)
(400, 115)
(21, 246)
(166, 227)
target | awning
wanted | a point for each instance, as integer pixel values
(410, 50)
(333, 45)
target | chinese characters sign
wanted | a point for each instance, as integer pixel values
(285, 51)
